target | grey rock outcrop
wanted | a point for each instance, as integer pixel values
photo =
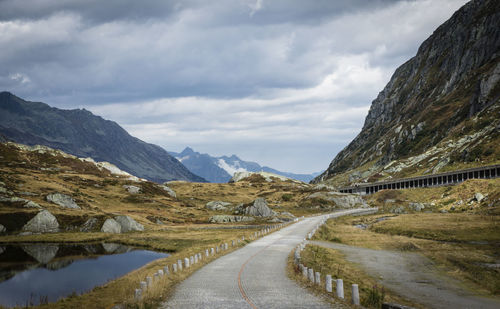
(128, 224)
(43, 222)
(63, 200)
(111, 226)
(341, 200)
(132, 189)
(169, 191)
(259, 208)
(229, 218)
(217, 205)
(89, 225)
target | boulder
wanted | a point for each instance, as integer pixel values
(259, 208)
(63, 200)
(111, 226)
(132, 189)
(217, 205)
(229, 218)
(479, 197)
(2, 229)
(89, 225)
(128, 224)
(169, 191)
(26, 203)
(43, 222)
(416, 206)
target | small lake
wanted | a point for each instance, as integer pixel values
(30, 273)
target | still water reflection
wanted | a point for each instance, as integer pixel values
(33, 272)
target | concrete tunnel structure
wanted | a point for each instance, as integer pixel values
(425, 181)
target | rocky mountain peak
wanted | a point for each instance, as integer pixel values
(453, 77)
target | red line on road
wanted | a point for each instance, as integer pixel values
(242, 291)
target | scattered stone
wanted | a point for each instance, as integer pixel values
(479, 197)
(128, 224)
(217, 205)
(399, 210)
(89, 225)
(28, 193)
(63, 200)
(443, 211)
(132, 189)
(229, 218)
(2, 229)
(416, 206)
(111, 226)
(43, 222)
(361, 226)
(389, 201)
(31, 204)
(169, 191)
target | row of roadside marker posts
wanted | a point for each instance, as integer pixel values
(315, 277)
(194, 259)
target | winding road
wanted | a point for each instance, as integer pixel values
(253, 276)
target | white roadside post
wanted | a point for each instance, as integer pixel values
(186, 262)
(179, 265)
(355, 294)
(328, 283)
(317, 280)
(138, 294)
(311, 274)
(340, 288)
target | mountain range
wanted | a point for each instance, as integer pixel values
(221, 169)
(440, 110)
(83, 134)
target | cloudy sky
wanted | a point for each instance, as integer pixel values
(285, 83)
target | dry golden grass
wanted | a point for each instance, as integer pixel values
(333, 262)
(462, 245)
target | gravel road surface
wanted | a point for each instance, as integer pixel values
(253, 276)
(413, 276)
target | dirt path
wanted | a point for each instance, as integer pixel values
(413, 276)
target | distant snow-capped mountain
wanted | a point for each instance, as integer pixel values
(221, 169)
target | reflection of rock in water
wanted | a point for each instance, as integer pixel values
(115, 248)
(58, 264)
(43, 253)
(93, 249)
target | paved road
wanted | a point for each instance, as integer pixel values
(251, 277)
(413, 276)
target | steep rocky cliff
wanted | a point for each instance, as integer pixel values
(439, 111)
(83, 134)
